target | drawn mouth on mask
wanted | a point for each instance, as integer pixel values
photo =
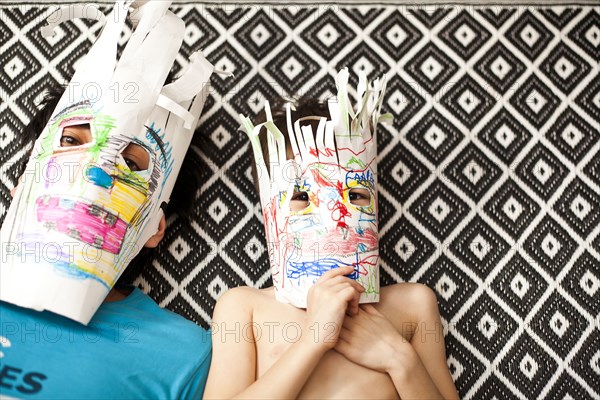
(84, 221)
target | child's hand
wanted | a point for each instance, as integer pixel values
(329, 300)
(370, 340)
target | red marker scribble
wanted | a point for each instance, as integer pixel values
(320, 179)
(339, 214)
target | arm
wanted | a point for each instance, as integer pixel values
(417, 368)
(428, 343)
(234, 361)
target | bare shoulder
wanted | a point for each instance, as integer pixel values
(235, 301)
(413, 295)
(408, 304)
(242, 298)
(238, 293)
(410, 294)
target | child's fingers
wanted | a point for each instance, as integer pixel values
(369, 309)
(332, 273)
(351, 296)
(344, 283)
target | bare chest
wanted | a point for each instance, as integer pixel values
(334, 377)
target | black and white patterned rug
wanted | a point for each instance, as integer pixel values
(489, 176)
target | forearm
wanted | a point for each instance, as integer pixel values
(286, 378)
(410, 377)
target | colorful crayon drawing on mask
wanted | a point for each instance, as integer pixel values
(325, 215)
(91, 203)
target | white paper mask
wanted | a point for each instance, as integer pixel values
(81, 213)
(333, 231)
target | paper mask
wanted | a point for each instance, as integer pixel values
(329, 166)
(85, 206)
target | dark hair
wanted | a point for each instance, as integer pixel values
(301, 107)
(182, 197)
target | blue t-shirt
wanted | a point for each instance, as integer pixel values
(132, 348)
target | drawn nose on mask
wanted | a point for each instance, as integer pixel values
(99, 177)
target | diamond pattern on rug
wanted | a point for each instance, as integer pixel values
(293, 68)
(439, 210)
(500, 68)
(327, 35)
(559, 325)
(451, 285)
(402, 99)
(430, 16)
(261, 36)
(468, 101)
(494, 388)
(580, 207)
(560, 17)
(464, 35)
(407, 246)
(227, 59)
(479, 247)
(473, 172)
(489, 326)
(496, 16)
(529, 367)
(250, 99)
(512, 209)
(30, 101)
(587, 33)
(573, 135)
(586, 362)
(18, 65)
(550, 246)
(589, 100)
(529, 35)
(583, 282)
(505, 136)
(435, 137)
(397, 35)
(198, 32)
(431, 68)
(464, 367)
(362, 16)
(535, 101)
(542, 171)
(400, 173)
(489, 173)
(519, 285)
(565, 68)
(180, 250)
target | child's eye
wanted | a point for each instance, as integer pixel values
(136, 157)
(75, 135)
(300, 196)
(359, 197)
(299, 201)
(131, 164)
(69, 141)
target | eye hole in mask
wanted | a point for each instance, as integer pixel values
(299, 202)
(135, 156)
(75, 135)
(359, 197)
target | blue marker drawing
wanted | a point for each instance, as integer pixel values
(317, 268)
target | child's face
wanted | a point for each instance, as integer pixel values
(85, 196)
(135, 156)
(329, 221)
